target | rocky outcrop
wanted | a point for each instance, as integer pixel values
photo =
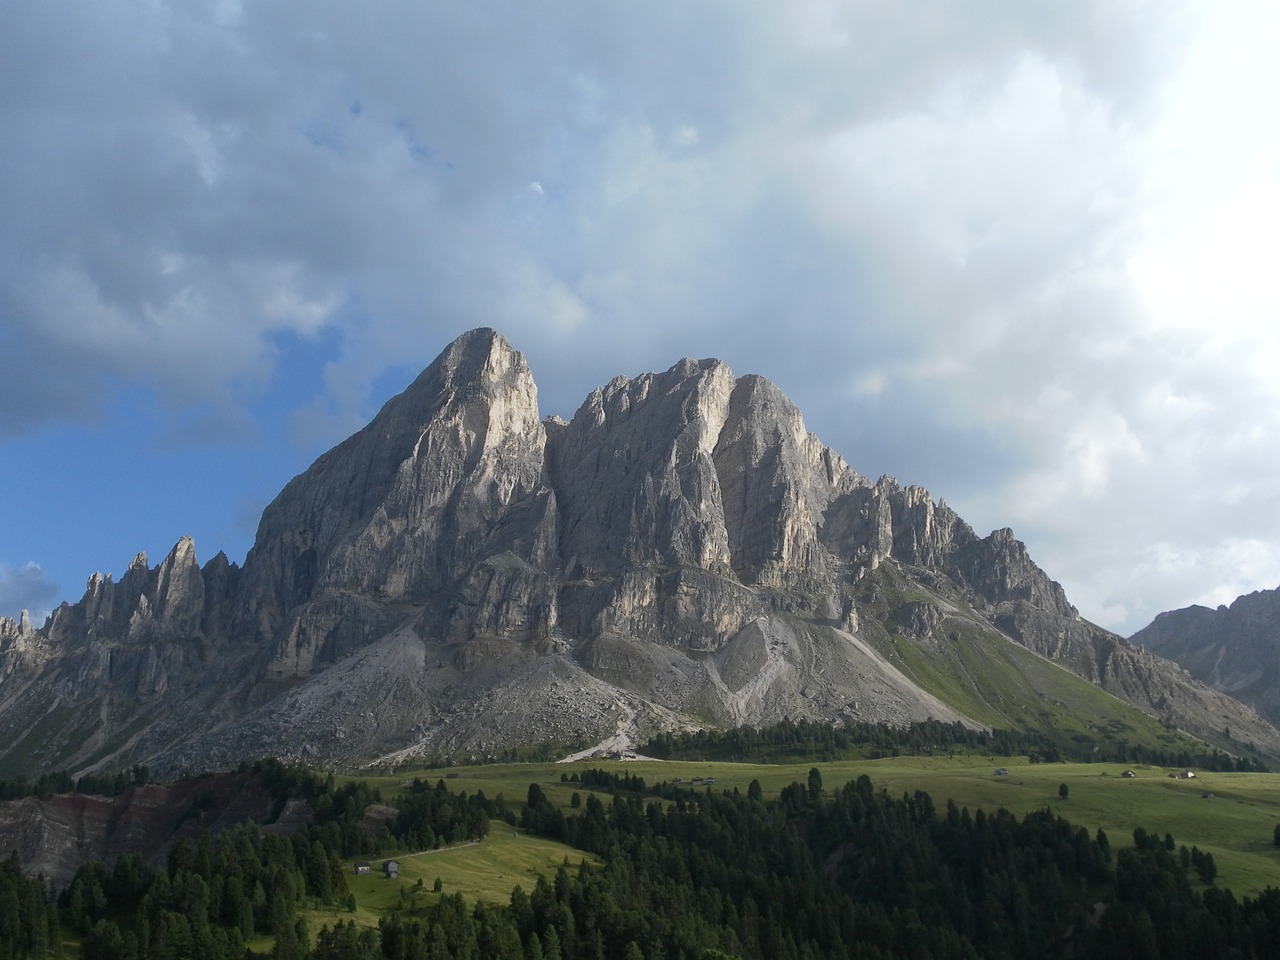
(460, 576)
(690, 504)
(16, 636)
(175, 600)
(409, 512)
(126, 669)
(54, 836)
(1235, 648)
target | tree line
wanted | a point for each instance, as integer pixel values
(809, 873)
(28, 920)
(792, 740)
(47, 784)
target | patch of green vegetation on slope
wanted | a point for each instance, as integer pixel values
(49, 743)
(485, 871)
(57, 738)
(1011, 687)
(996, 681)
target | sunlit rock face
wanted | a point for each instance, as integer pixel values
(462, 576)
(411, 511)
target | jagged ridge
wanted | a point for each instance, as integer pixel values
(1235, 648)
(460, 576)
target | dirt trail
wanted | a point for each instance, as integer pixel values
(622, 741)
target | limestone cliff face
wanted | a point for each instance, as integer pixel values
(131, 666)
(461, 575)
(154, 623)
(412, 509)
(778, 481)
(681, 495)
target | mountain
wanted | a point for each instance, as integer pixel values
(462, 576)
(1235, 649)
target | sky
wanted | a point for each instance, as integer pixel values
(1020, 253)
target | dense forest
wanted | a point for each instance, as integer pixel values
(789, 741)
(47, 784)
(812, 872)
(28, 920)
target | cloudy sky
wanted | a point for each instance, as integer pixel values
(1021, 253)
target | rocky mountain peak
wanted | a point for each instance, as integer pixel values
(634, 476)
(778, 481)
(447, 472)
(178, 594)
(15, 633)
(461, 575)
(1234, 648)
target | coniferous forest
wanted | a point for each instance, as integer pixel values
(850, 872)
(793, 740)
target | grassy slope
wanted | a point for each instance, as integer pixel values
(1236, 826)
(488, 870)
(1002, 684)
(996, 681)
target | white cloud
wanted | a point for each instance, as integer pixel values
(27, 588)
(1019, 253)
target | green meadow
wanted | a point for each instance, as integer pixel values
(488, 870)
(1236, 824)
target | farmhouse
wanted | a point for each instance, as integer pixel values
(1128, 774)
(392, 869)
(362, 868)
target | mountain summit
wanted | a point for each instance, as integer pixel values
(1235, 648)
(461, 576)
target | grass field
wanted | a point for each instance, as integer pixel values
(488, 870)
(1237, 825)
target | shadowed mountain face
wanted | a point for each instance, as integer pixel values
(1235, 649)
(461, 576)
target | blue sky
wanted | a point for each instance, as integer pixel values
(1021, 254)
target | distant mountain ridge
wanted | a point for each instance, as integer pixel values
(1235, 648)
(461, 576)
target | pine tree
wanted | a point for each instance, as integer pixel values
(551, 945)
(815, 784)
